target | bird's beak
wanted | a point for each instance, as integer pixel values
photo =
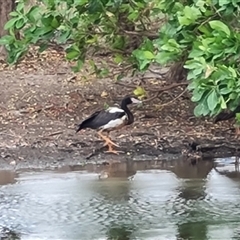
(136, 101)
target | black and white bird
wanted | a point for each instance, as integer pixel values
(110, 119)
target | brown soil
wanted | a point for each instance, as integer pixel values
(42, 100)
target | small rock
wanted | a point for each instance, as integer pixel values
(103, 175)
(13, 162)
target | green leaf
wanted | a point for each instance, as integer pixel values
(64, 36)
(198, 110)
(20, 23)
(118, 58)
(78, 66)
(80, 2)
(140, 92)
(232, 70)
(200, 4)
(164, 57)
(224, 2)
(148, 55)
(197, 95)
(73, 52)
(20, 6)
(188, 16)
(196, 53)
(47, 20)
(55, 23)
(7, 39)
(238, 118)
(223, 103)
(133, 16)
(225, 91)
(219, 26)
(118, 43)
(14, 14)
(95, 6)
(212, 100)
(233, 95)
(192, 64)
(72, 55)
(171, 46)
(33, 12)
(10, 23)
(144, 64)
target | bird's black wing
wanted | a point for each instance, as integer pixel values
(99, 119)
(104, 117)
(84, 123)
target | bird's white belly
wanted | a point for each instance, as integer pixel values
(114, 109)
(115, 123)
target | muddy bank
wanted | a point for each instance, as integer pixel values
(74, 157)
(42, 100)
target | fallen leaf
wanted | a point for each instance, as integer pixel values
(104, 94)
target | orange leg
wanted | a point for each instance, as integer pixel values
(107, 140)
(109, 143)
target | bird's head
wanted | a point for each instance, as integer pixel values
(130, 99)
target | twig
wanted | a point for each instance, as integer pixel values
(55, 133)
(152, 98)
(166, 88)
(168, 103)
(157, 72)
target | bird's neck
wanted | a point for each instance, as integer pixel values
(128, 112)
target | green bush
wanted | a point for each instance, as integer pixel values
(203, 34)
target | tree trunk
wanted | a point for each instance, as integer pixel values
(6, 6)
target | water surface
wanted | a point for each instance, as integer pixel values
(183, 202)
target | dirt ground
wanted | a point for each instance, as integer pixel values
(42, 100)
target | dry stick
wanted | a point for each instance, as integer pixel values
(157, 72)
(169, 87)
(152, 98)
(55, 133)
(166, 104)
(175, 98)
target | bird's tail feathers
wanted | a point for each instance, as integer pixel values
(79, 128)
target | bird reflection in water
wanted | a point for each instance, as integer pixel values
(124, 170)
(113, 182)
